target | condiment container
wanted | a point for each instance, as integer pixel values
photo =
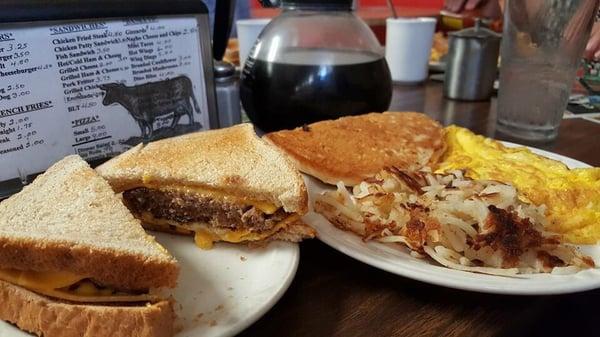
(472, 63)
(228, 94)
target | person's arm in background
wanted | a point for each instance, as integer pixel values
(580, 25)
(592, 49)
(489, 8)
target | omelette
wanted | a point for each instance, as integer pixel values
(571, 197)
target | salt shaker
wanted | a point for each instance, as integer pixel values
(228, 94)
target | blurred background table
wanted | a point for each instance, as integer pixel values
(335, 295)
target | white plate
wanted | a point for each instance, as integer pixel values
(396, 259)
(224, 290)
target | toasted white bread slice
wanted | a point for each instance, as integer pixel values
(233, 161)
(70, 220)
(53, 318)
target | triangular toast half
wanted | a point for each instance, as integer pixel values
(70, 220)
(232, 160)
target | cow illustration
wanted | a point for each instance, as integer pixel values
(147, 101)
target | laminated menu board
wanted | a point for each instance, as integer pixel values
(96, 79)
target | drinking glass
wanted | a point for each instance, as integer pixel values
(248, 31)
(541, 49)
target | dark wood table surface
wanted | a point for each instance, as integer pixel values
(335, 295)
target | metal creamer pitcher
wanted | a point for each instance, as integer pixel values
(472, 63)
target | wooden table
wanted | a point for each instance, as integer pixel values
(335, 295)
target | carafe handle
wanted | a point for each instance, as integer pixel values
(224, 10)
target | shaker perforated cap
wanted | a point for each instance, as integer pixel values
(223, 69)
(319, 4)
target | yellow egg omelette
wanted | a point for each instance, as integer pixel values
(571, 197)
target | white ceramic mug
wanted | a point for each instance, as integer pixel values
(407, 48)
(248, 30)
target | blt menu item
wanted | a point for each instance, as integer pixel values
(96, 87)
(315, 61)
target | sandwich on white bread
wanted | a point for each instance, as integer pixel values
(75, 262)
(220, 185)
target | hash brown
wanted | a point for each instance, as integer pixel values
(353, 148)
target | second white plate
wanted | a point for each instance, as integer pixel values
(396, 258)
(220, 292)
(223, 290)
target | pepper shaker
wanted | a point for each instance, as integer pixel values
(228, 94)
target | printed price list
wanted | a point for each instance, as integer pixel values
(54, 80)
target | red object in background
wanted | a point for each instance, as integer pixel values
(374, 12)
(437, 4)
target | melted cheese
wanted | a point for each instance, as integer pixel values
(265, 207)
(204, 238)
(56, 284)
(87, 292)
(40, 280)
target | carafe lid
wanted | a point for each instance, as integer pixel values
(319, 4)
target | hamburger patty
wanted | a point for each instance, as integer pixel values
(185, 208)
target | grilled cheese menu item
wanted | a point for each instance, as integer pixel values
(72, 251)
(221, 185)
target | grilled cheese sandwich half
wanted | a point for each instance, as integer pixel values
(220, 185)
(72, 252)
(209, 215)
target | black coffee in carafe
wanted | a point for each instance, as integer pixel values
(315, 61)
(284, 95)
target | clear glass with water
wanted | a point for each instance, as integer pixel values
(542, 45)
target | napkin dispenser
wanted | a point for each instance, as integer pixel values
(95, 78)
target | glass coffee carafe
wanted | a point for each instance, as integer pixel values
(315, 61)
